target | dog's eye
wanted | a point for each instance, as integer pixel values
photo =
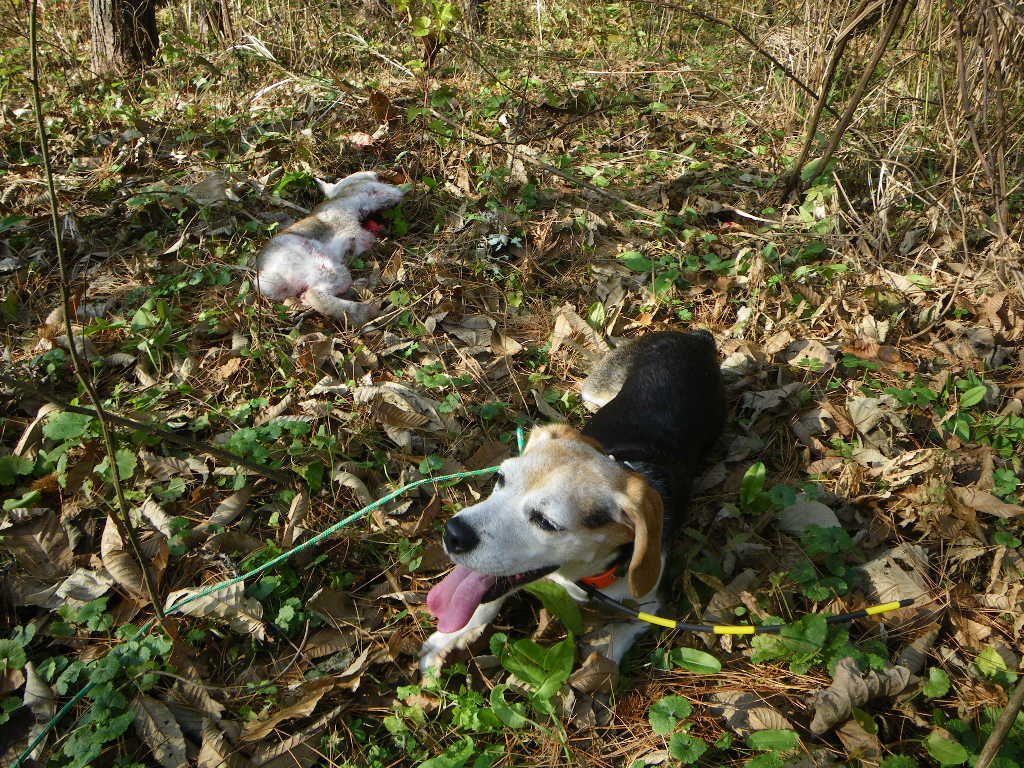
(499, 479)
(538, 519)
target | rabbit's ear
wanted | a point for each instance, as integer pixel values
(330, 190)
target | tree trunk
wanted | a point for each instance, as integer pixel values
(124, 35)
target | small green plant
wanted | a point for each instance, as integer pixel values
(432, 377)
(992, 666)
(430, 17)
(667, 717)
(937, 684)
(918, 395)
(755, 499)
(665, 272)
(774, 744)
(827, 550)
(133, 665)
(544, 670)
(690, 659)
(13, 659)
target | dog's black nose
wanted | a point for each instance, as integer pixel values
(459, 537)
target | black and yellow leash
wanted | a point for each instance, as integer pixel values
(734, 629)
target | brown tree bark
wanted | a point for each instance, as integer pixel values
(124, 35)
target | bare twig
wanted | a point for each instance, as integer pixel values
(793, 182)
(758, 48)
(121, 518)
(966, 104)
(1002, 727)
(190, 443)
(575, 181)
(897, 9)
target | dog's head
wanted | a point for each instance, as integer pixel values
(562, 506)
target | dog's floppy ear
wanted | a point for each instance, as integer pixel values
(541, 435)
(644, 513)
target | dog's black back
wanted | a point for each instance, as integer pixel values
(670, 409)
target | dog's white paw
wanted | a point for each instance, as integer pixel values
(440, 644)
(434, 650)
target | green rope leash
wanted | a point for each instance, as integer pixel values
(176, 608)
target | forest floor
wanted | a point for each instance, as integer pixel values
(612, 171)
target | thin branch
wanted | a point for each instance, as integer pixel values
(969, 114)
(897, 9)
(1002, 727)
(575, 181)
(758, 48)
(189, 443)
(121, 518)
(793, 182)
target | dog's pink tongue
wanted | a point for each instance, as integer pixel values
(454, 599)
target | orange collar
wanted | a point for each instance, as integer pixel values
(602, 580)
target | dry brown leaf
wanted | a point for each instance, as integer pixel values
(1003, 316)
(11, 680)
(271, 412)
(156, 726)
(381, 107)
(851, 688)
(898, 573)
(296, 514)
(487, 454)
(983, 501)
(336, 606)
(474, 331)
(309, 696)
(914, 655)
(294, 752)
(597, 674)
(727, 596)
(38, 696)
(569, 324)
(911, 466)
(154, 514)
(40, 700)
(32, 438)
(358, 487)
(85, 585)
(393, 416)
(195, 696)
(546, 410)
(119, 563)
(504, 346)
(860, 745)
(747, 712)
(228, 510)
(805, 512)
(329, 641)
(810, 353)
(38, 543)
(406, 400)
(352, 675)
(163, 468)
(243, 614)
(217, 751)
(771, 400)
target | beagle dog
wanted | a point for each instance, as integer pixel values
(578, 507)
